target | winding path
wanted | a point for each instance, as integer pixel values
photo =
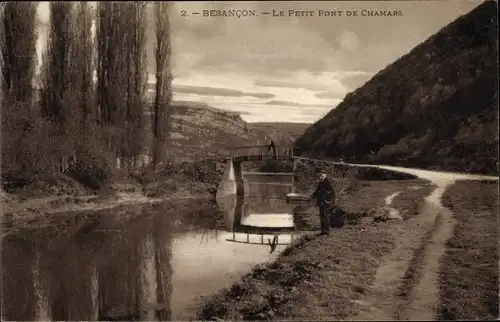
(425, 236)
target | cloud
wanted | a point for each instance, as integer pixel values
(355, 79)
(348, 40)
(327, 95)
(286, 103)
(214, 91)
(295, 61)
(289, 84)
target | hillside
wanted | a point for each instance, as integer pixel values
(200, 130)
(435, 107)
(285, 133)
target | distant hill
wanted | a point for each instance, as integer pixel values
(282, 133)
(435, 107)
(200, 130)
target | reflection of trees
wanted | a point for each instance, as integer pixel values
(136, 284)
(69, 271)
(43, 281)
(123, 274)
(163, 259)
(122, 270)
(17, 279)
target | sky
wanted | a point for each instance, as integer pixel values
(290, 68)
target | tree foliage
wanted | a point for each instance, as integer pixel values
(90, 103)
(20, 128)
(18, 47)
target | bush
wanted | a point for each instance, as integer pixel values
(93, 167)
(24, 150)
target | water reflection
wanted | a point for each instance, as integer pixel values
(120, 269)
(149, 262)
(263, 216)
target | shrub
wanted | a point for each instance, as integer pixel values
(93, 167)
(24, 146)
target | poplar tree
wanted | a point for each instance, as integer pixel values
(18, 49)
(17, 68)
(161, 109)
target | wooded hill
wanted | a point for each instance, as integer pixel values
(435, 107)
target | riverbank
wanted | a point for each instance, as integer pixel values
(469, 275)
(59, 195)
(325, 277)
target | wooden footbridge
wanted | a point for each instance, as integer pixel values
(261, 153)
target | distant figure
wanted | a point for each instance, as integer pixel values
(273, 244)
(272, 146)
(324, 196)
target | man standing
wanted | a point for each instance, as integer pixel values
(324, 196)
(271, 146)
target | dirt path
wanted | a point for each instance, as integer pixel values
(406, 285)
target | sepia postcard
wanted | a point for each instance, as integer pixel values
(252, 160)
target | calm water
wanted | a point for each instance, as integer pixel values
(149, 263)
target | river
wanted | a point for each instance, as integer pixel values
(151, 265)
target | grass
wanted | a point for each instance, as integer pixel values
(469, 275)
(411, 191)
(367, 201)
(319, 277)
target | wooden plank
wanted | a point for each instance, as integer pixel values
(253, 243)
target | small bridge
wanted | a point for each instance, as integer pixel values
(260, 153)
(240, 185)
(233, 181)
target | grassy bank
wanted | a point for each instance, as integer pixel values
(366, 201)
(185, 215)
(318, 278)
(63, 195)
(321, 277)
(469, 275)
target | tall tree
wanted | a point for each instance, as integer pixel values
(136, 70)
(82, 64)
(17, 68)
(161, 109)
(58, 93)
(112, 71)
(57, 63)
(18, 49)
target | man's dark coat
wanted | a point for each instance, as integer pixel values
(324, 193)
